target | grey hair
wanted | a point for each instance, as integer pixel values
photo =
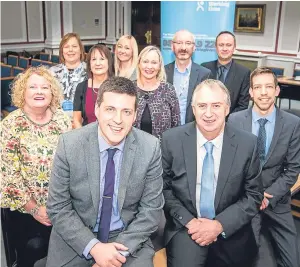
(183, 30)
(212, 84)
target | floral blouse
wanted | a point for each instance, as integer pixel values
(27, 151)
(163, 105)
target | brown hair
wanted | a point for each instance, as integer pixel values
(104, 51)
(64, 40)
(262, 70)
(19, 86)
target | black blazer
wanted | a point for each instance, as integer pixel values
(198, 74)
(79, 100)
(237, 82)
(282, 166)
(239, 189)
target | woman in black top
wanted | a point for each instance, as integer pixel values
(99, 68)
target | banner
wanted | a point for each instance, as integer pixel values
(205, 19)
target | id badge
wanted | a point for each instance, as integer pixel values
(67, 105)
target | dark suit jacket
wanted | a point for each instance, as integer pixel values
(282, 165)
(239, 189)
(198, 74)
(237, 82)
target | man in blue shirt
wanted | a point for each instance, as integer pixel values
(278, 143)
(105, 196)
(184, 74)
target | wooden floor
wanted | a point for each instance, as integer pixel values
(160, 259)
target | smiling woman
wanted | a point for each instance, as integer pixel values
(29, 137)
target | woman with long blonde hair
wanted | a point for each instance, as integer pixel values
(126, 57)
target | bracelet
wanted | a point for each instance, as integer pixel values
(34, 211)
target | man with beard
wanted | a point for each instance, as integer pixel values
(233, 75)
(278, 144)
(184, 74)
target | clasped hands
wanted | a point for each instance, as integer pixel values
(204, 231)
(107, 254)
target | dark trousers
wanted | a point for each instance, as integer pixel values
(183, 251)
(30, 237)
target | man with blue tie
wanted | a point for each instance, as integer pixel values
(105, 196)
(278, 143)
(212, 187)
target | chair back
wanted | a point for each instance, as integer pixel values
(16, 71)
(55, 59)
(6, 91)
(13, 60)
(23, 62)
(44, 56)
(5, 70)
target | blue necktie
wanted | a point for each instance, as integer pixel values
(108, 193)
(207, 208)
(261, 140)
(221, 73)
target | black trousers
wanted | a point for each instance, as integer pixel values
(30, 238)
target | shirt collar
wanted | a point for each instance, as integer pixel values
(103, 145)
(270, 117)
(227, 66)
(217, 142)
(187, 70)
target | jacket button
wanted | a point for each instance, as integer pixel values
(180, 217)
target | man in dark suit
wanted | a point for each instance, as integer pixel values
(279, 151)
(184, 74)
(105, 196)
(235, 76)
(212, 186)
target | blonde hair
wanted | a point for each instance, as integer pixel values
(64, 40)
(161, 76)
(212, 84)
(19, 87)
(135, 54)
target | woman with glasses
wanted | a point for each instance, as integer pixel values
(29, 138)
(158, 107)
(126, 57)
(99, 68)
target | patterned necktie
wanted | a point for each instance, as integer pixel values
(207, 209)
(221, 73)
(107, 199)
(261, 140)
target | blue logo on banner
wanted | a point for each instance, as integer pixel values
(205, 19)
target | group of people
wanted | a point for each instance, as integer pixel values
(178, 138)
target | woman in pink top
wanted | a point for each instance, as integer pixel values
(99, 68)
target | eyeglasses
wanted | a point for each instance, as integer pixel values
(182, 43)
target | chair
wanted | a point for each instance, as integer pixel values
(16, 71)
(277, 71)
(5, 70)
(13, 60)
(55, 59)
(23, 62)
(6, 94)
(44, 56)
(38, 62)
(296, 72)
(87, 48)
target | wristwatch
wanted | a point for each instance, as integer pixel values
(34, 211)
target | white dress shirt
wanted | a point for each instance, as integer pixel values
(201, 152)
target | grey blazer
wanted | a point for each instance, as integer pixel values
(239, 189)
(237, 82)
(198, 74)
(282, 165)
(75, 188)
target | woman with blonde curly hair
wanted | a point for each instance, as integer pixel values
(126, 57)
(158, 106)
(29, 139)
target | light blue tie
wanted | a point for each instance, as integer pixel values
(207, 209)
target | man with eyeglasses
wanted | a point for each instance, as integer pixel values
(278, 143)
(233, 75)
(184, 74)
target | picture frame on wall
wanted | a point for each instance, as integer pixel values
(249, 18)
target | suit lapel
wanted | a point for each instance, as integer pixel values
(192, 82)
(247, 123)
(170, 72)
(229, 82)
(127, 162)
(214, 70)
(277, 132)
(227, 157)
(92, 156)
(190, 158)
